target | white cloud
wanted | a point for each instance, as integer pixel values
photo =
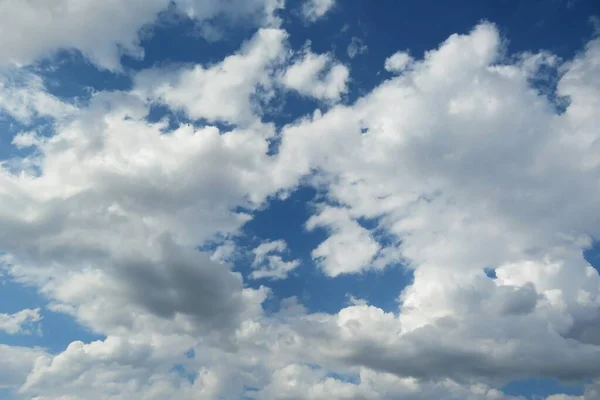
(264, 249)
(398, 62)
(304, 382)
(461, 163)
(236, 89)
(267, 357)
(23, 96)
(112, 242)
(312, 10)
(101, 31)
(465, 166)
(22, 322)
(225, 252)
(349, 248)
(318, 76)
(115, 367)
(16, 364)
(223, 92)
(268, 262)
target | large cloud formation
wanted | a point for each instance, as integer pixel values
(464, 165)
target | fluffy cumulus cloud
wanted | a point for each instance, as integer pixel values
(268, 262)
(231, 91)
(317, 75)
(454, 166)
(305, 382)
(464, 165)
(23, 97)
(16, 364)
(349, 248)
(398, 61)
(101, 31)
(88, 230)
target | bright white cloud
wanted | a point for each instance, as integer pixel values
(16, 364)
(22, 322)
(312, 10)
(318, 76)
(108, 243)
(268, 262)
(23, 96)
(349, 248)
(226, 91)
(398, 61)
(310, 383)
(267, 357)
(458, 161)
(464, 166)
(116, 366)
(236, 89)
(225, 252)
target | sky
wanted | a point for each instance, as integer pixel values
(300, 199)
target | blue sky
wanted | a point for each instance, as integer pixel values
(309, 199)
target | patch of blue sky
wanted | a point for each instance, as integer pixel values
(57, 329)
(73, 79)
(538, 388)
(175, 118)
(10, 127)
(592, 255)
(285, 219)
(176, 39)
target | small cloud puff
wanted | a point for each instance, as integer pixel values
(268, 262)
(398, 62)
(312, 10)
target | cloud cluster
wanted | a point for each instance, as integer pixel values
(268, 262)
(454, 166)
(113, 238)
(225, 92)
(463, 165)
(21, 322)
(398, 61)
(24, 97)
(318, 76)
